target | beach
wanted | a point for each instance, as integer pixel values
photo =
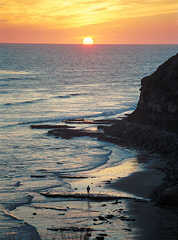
(133, 214)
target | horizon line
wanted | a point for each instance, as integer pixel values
(29, 43)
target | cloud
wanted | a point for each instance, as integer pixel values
(76, 13)
(3, 20)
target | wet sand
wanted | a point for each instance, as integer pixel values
(141, 184)
(151, 221)
(126, 218)
(133, 216)
(12, 228)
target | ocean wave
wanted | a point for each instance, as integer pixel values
(103, 114)
(69, 95)
(4, 92)
(20, 78)
(13, 72)
(24, 102)
(100, 114)
(38, 100)
(113, 113)
(4, 85)
(14, 78)
(96, 161)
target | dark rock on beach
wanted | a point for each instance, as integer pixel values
(70, 133)
(84, 121)
(130, 133)
(73, 229)
(47, 126)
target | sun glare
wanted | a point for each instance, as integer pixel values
(88, 41)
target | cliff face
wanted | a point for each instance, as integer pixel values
(158, 102)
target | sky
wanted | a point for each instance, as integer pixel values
(107, 22)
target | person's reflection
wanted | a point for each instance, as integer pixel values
(89, 205)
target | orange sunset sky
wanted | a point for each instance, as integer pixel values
(107, 22)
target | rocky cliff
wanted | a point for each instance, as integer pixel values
(158, 102)
(154, 123)
(157, 111)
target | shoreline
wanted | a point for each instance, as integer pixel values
(132, 215)
(141, 138)
(136, 184)
(138, 176)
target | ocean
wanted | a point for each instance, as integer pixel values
(47, 84)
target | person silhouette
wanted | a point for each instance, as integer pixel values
(88, 189)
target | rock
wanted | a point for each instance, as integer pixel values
(103, 205)
(71, 229)
(38, 176)
(102, 234)
(68, 133)
(100, 238)
(101, 218)
(86, 121)
(158, 102)
(153, 124)
(124, 218)
(107, 182)
(46, 126)
(83, 196)
(128, 132)
(109, 216)
(127, 229)
(17, 184)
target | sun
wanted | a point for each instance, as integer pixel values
(88, 41)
